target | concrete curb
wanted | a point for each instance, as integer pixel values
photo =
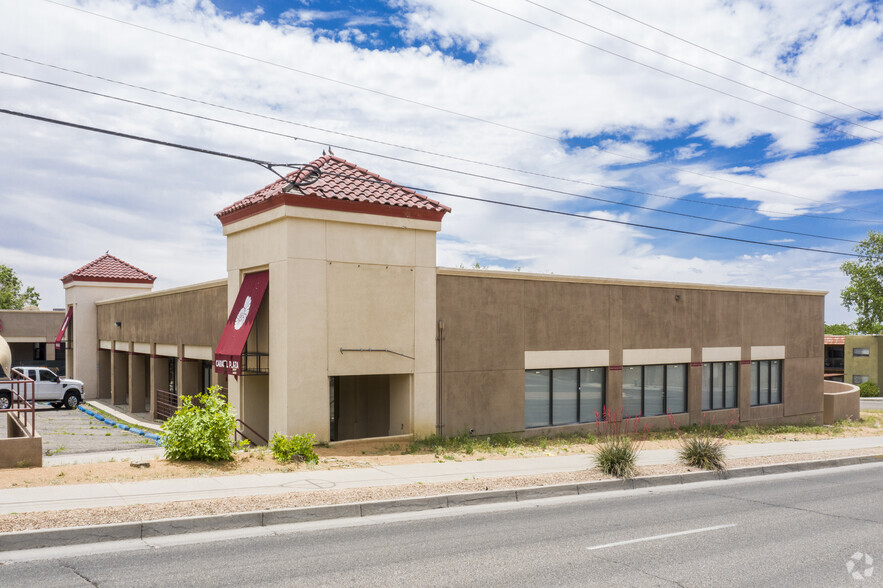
(21, 540)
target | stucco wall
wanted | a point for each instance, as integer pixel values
(862, 365)
(35, 326)
(193, 315)
(341, 281)
(492, 318)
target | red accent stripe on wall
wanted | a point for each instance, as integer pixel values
(615, 368)
(745, 362)
(695, 364)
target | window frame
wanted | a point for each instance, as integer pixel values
(859, 377)
(723, 379)
(756, 381)
(550, 393)
(866, 352)
(665, 379)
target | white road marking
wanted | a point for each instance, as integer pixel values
(666, 536)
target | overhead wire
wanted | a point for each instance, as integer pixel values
(680, 77)
(265, 164)
(732, 60)
(409, 148)
(424, 104)
(431, 166)
(587, 217)
(702, 69)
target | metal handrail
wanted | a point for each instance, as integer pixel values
(164, 408)
(239, 433)
(20, 404)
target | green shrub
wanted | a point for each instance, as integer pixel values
(296, 447)
(869, 389)
(617, 457)
(201, 430)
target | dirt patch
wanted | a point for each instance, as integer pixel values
(147, 512)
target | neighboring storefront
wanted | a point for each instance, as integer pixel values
(31, 335)
(335, 320)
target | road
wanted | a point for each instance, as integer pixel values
(786, 530)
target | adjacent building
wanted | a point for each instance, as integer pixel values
(335, 320)
(854, 359)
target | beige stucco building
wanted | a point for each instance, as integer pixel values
(334, 319)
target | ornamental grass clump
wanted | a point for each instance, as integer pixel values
(201, 430)
(620, 441)
(703, 447)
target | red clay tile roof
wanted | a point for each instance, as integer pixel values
(108, 268)
(341, 186)
(835, 340)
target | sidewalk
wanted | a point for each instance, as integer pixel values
(50, 498)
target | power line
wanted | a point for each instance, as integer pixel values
(426, 105)
(679, 77)
(400, 146)
(431, 166)
(584, 216)
(702, 69)
(267, 164)
(731, 60)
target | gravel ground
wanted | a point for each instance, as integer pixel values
(97, 516)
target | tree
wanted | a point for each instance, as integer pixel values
(11, 295)
(839, 329)
(865, 291)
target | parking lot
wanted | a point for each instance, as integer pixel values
(73, 431)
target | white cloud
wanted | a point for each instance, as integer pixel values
(68, 196)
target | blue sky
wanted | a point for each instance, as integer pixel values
(546, 119)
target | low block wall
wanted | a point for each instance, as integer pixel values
(20, 449)
(841, 402)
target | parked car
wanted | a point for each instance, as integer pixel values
(48, 387)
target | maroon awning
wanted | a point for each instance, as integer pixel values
(64, 325)
(245, 309)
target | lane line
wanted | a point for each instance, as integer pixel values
(666, 536)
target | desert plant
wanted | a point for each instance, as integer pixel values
(619, 442)
(869, 390)
(201, 430)
(294, 448)
(704, 447)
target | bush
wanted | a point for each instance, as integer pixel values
(704, 448)
(617, 457)
(706, 453)
(201, 430)
(869, 390)
(296, 447)
(620, 442)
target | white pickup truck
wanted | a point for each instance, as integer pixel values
(48, 387)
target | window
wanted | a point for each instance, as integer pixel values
(861, 352)
(563, 396)
(653, 390)
(766, 382)
(720, 385)
(47, 376)
(860, 379)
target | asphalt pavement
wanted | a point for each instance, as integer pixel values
(820, 528)
(72, 432)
